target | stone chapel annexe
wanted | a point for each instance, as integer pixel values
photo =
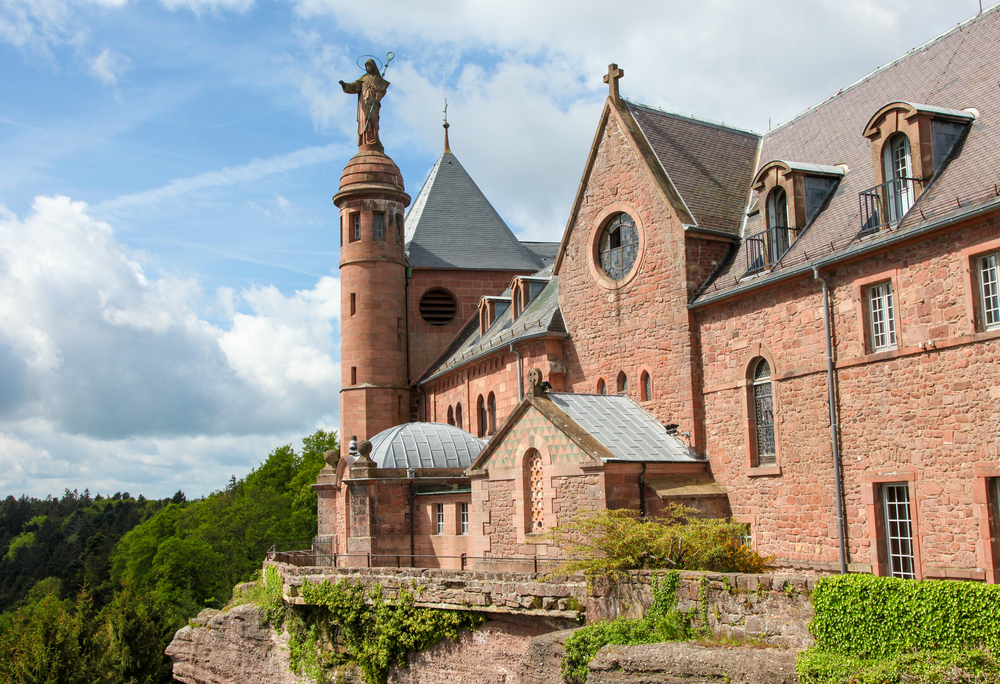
(799, 329)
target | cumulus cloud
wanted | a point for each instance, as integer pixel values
(524, 78)
(110, 66)
(96, 346)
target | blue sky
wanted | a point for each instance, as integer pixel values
(169, 295)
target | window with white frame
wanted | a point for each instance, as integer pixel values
(439, 516)
(881, 317)
(989, 290)
(898, 176)
(463, 518)
(898, 529)
(378, 226)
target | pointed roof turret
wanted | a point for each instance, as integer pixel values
(453, 225)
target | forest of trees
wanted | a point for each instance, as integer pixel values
(93, 588)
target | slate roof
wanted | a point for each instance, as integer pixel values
(710, 164)
(425, 445)
(948, 72)
(625, 429)
(540, 317)
(452, 225)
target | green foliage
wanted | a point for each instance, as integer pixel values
(611, 542)
(926, 667)
(663, 622)
(139, 569)
(190, 555)
(881, 630)
(377, 633)
(881, 617)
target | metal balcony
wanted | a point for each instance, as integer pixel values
(885, 205)
(766, 248)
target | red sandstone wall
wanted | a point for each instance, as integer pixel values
(644, 324)
(924, 416)
(497, 374)
(428, 341)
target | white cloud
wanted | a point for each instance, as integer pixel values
(94, 345)
(199, 6)
(110, 66)
(252, 171)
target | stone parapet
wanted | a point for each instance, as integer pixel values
(773, 608)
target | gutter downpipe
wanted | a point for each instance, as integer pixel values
(520, 374)
(642, 491)
(834, 439)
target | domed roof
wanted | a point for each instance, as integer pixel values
(425, 445)
(371, 170)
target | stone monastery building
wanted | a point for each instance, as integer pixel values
(799, 329)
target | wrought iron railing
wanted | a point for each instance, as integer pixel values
(317, 556)
(885, 205)
(767, 247)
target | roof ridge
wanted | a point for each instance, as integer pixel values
(690, 117)
(909, 53)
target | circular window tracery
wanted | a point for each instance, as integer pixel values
(438, 306)
(618, 246)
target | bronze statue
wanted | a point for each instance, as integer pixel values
(370, 89)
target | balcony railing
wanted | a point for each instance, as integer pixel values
(885, 205)
(767, 247)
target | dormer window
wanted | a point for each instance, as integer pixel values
(911, 143)
(490, 309)
(791, 194)
(524, 290)
(779, 239)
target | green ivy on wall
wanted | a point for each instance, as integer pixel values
(878, 617)
(881, 630)
(376, 633)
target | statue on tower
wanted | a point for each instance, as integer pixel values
(370, 89)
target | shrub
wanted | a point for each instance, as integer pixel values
(611, 542)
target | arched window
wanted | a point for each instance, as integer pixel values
(622, 382)
(451, 416)
(491, 407)
(481, 415)
(762, 399)
(647, 387)
(777, 223)
(602, 388)
(898, 176)
(536, 491)
(458, 415)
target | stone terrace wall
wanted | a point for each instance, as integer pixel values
(775, 608)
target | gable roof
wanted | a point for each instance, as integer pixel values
(452, 225)
(944, 75)
(606, 427)
(710, 164)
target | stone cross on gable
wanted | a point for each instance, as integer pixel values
(611, 78)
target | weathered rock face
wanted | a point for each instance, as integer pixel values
(231, 648)
(687, 663)
(493, 654)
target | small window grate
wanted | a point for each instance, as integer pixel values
(438, 307)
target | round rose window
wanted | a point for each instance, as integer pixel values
(619, 246)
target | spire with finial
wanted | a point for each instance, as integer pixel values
(447, 147)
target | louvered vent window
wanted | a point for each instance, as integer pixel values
(437, 307)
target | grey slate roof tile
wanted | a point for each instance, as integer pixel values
(710, 164)
(452, 225)
(950, 72)
(626, 429)
(541, 316)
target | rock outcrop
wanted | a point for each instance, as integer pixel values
(688, 663)
(231, 647)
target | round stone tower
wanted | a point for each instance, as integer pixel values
(374, 391)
